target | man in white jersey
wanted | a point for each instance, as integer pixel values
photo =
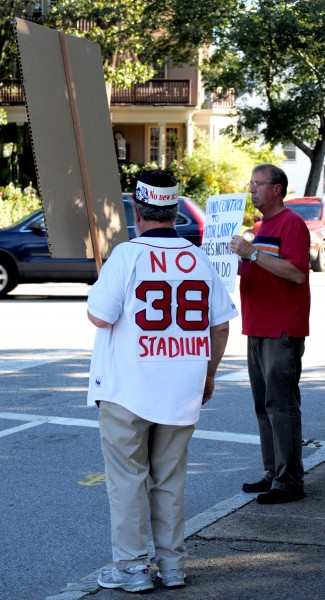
(162, 315)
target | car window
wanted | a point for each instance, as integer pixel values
(181, 219)
(309, 212)
(38, 222)
(128, 213)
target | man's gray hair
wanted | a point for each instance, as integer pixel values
(277, 175)
(162, 214)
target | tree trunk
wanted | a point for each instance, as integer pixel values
(317, 164)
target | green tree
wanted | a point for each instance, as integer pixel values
(138, 36)
(123, 30)
(223, 170)
(275, 49)
(3, 117)
(9, 9)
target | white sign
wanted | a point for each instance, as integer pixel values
(224, 218)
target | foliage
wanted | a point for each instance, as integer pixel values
(15, 203)
(129, 173)
(223, 171)
(274, 51)
(3, 117)
(9, 9)
(208, 172)
(139, 36)
(200, 175)
(187, 25)
(136, 36)
(124, 31)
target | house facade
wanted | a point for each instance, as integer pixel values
(152, 122)
(296, 164)
(156, 120)
(297, 167)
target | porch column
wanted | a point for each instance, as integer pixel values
(189, 135)
(45, 6)
(162, 146)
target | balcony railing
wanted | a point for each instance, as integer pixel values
(11, 92)
(155, 91)
(218, 101)
(81, 25)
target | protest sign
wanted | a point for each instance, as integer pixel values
(224, 218)
(73, 142)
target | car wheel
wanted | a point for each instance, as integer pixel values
(8, 276)
(319, 263)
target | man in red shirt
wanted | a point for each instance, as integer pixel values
(275, 298)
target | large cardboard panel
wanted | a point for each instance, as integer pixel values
(55, 145)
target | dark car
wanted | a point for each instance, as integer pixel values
(25, 258)
(312, 210)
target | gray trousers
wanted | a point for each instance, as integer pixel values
(274, 366)
(145, 463)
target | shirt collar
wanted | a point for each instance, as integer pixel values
(166, 232)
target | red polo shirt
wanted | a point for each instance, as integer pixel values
(272, 305)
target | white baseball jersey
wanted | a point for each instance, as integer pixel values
(161, 296)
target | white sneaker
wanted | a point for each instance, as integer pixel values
(172, 578)
(134, 579)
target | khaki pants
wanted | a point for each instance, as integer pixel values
(144, 461)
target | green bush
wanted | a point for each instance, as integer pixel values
(209, 171)
(224, 170)
(206, 172)
(16, 203)
(129, 173)
(3, 117)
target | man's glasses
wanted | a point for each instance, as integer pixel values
(256, 184)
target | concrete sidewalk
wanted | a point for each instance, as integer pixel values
(255, 553)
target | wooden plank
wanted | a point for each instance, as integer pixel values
(62, 176)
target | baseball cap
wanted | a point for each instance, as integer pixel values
(156, 189)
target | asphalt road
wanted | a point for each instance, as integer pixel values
(54, 509)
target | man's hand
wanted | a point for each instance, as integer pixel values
(208, 389)
(242, 247)
(281, 268)
(219, 336)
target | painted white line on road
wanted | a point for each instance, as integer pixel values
(238, 375)
(27, 359)
(19, 428)
(18, 361)
(221, 436)
(6, 368)
(13, 416)
(204, 434)
(315, 459)
(35, 420)
(242, 375)
(225, 436)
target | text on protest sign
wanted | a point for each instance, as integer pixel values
(224, 218)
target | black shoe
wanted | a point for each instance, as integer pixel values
(276, 496)
(260, 486)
